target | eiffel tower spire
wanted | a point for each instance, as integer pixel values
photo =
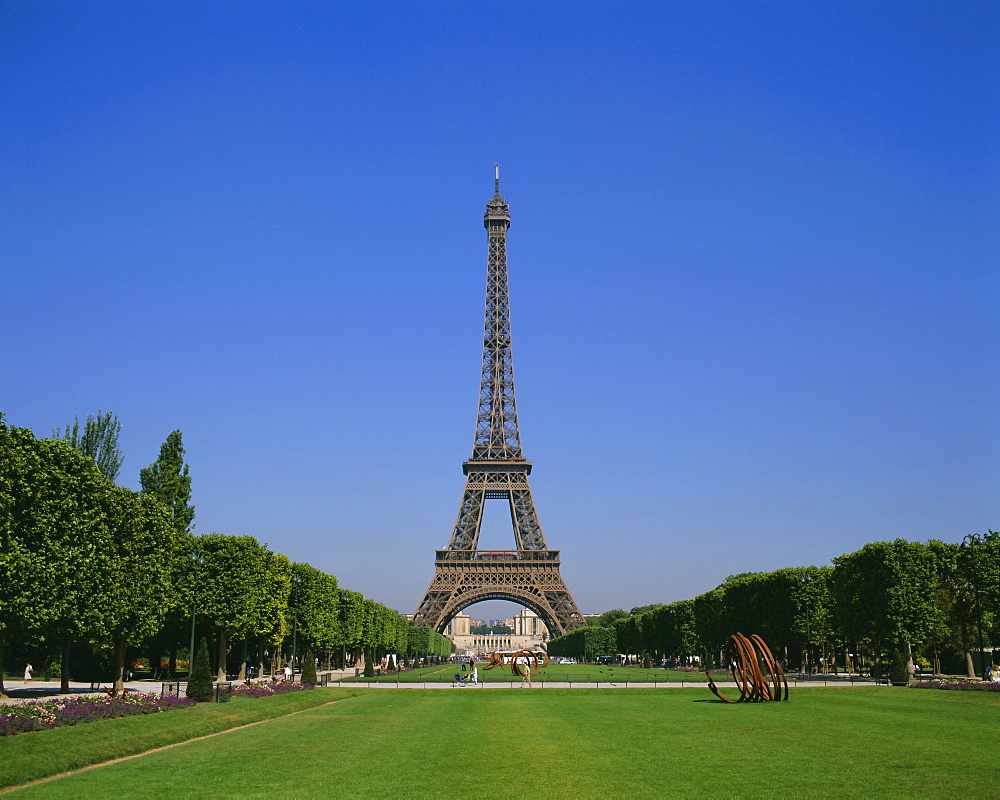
(498, 470)
(497, 435)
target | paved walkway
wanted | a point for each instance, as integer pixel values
(39, 690)
(44, 690)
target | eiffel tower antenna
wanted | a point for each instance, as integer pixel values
(529, 574)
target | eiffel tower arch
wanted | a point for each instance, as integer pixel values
(529, 574)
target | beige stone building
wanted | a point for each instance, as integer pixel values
(528, 633)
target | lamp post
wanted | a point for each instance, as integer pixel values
(805, 583)
(296, 579)
(197, 559)
(970, 544)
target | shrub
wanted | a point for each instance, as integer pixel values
(309, 668)
(898, 675)
(200, 680)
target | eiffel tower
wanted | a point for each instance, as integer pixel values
(528, 575)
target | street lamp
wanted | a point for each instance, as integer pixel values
(197, 559)
(805, 583)
(296, 579)
(971, 544)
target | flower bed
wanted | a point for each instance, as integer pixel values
(37, 715)
(961, 684)
(268, 689)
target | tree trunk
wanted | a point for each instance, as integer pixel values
(970, 667)
(910, 669)
(121, 648)
(67, 645)
(223, 648)
(153, 655)
(3, 691)
(243, 661)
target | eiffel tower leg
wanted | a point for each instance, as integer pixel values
(465, 535)
(527, 530)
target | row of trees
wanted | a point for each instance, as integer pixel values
(490, 630)
(585, 644)
(936, 600)
(91, 571)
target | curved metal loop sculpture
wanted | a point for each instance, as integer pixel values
(520, 660)
(755, 670)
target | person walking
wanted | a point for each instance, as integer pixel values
(474, 677)
(28, 669)
(525, 671)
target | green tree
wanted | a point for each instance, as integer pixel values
(627, 636)
(978, 588)
(243, 590)
(710, 624)
(350, 613)
(642, 609)
(56, 584)
(609, 618)
(316, 598)
(369, 634)
(168, 480)
(486, 630)
(143, 549)
(884, 592)
(99, 441)
(586, 644)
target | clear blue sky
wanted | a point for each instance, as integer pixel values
(753, 266)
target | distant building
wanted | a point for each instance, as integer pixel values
(459, 626)
(529, 632)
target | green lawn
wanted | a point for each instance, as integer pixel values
(570, 743)
(559, 673)
(29, 756)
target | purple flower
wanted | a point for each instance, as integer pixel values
(959, 684)
(266, 690)
(34, 715)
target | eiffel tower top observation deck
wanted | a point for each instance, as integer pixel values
(497, 435)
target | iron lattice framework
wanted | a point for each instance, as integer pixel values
(497, 470)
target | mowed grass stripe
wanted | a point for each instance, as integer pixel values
(31, 756)
(586, 743)
(156, 750)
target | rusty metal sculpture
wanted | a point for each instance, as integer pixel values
(522, 662)
(756, 672)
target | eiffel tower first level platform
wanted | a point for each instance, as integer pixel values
(527, 577)
(528, 574)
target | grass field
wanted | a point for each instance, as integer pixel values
(561, 673)
(27, 757)
(562, 743)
